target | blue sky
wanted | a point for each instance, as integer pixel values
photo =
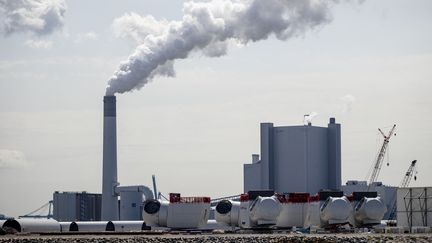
(369, 68)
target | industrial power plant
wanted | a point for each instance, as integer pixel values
(294, 183)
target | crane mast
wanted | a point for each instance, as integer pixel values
(380, 157)
(411, 172)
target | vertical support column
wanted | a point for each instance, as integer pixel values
(267, 166)
(109, 172)
(334, 155)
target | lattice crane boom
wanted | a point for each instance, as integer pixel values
(409, 174)
(380, 157)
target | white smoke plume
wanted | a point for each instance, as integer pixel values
(40, 17)
(208, 26)
(348, 101)
(309, 117)
(137, 27)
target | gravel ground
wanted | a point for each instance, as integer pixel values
(167, 238)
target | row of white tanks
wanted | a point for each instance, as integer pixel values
(256, 209)
(27, 225)
(326, 209)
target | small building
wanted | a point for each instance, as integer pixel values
(302, 158)
(76, 206)
(131, 201)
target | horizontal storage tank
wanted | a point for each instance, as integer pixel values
(130, 226)
(32, 225)
(65, 226)
(179, 212)
(336, 210)
(227, 213)
(256, 209)
(91, 226)
(328, 208)
(155, 212)
(369, 209)
(265, 210)
(293, 210)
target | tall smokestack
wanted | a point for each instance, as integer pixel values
(109, 174)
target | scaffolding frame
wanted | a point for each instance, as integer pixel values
(422, 198)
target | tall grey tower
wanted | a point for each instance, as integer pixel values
(109, 173)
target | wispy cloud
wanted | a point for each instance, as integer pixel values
(39, 44)
(12, 159)
(34, 16)
(91, 35)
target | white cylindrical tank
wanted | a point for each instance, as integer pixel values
(179, 212)
(129, 226)
(65, 226)
(335, 210)
(265, 210)
(227, 213)
(369, 211)
(91, 226)
(293, 210)
(32, 225)
(155, 212)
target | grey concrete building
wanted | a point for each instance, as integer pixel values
(296, 159)
(76, 206)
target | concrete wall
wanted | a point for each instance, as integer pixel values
(252, 176)
(414, 206)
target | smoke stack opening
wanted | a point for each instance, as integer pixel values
(109, 105)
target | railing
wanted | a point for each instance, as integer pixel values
(215, 201)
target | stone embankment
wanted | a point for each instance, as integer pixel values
(222, 238)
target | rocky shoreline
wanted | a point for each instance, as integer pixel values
(222, 238)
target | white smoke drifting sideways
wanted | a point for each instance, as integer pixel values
(40, 17)
(207, 27)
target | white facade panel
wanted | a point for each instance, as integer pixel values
(188, 215)
(292, 214)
